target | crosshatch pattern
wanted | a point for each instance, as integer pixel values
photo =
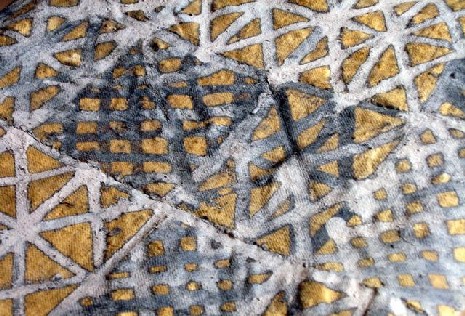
(210, 157)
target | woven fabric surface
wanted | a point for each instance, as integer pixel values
(242, 157)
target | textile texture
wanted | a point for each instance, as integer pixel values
(241, 157)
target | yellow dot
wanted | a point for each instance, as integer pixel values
(438, 281)
(414, 207)
(430, 255)
(397, 257)
(403, 165)
(86, 301)
(193, 286)
(409, 188)
(188, 243)
(225, 285)
(87, 104)
(421, 230)
(196, 310)
(221, 264)
(165, 311)
(122, 295)
(190, 267)
(448, 199)
(405, 280)
(390, 236)
(161, 289)
(434, 160)
(358, 242)
(156, 248)
(459, 254)
(228, 307)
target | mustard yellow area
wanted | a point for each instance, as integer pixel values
(11, 77)
(258, 278)
(366, 163)
(221, 211)
(219, 4)
(365, 4)
(331, 168)
(75, 204)
(41, 190)
(170, 65)
(275, 155)
(222, 77)
(178, 101)
(37, 161)
(6, 307)
(104, 49)
(75, 242)
(352, 63)
(374, 20)
(189, 31)
(251, 29)
(155, 146)
(330, 144)
(219, 24)
(429, 12)
(268, 126)
(54, 22)
(64, 3)
(404, 7)
(6, 271)
(283, 18)
(316, 5)
(390, 236)
(277, 306)
(124, 228)
(319, 77)
(8, 200)
(156, 248)
(193, 8)
(259, 196)
(70, 57)
(218, 98)
(40, 97)
(321, 50)
(394, 99)
(160, 188)
(310, 135)
(448, 199)
(420, 53)
(7, 164)
(77, 32)
(385, 68)
(288, 42)
(436, 31)
(42, 302)
(278, 241)
(302, 104)
(317, 221)
(23, 27)
(251, 55)
(40, 267)
(312, 293)
(7, 107)
(426, 81)
(369, 124)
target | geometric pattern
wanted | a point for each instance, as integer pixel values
(209, 157)
(58, 227)
(203, 268)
